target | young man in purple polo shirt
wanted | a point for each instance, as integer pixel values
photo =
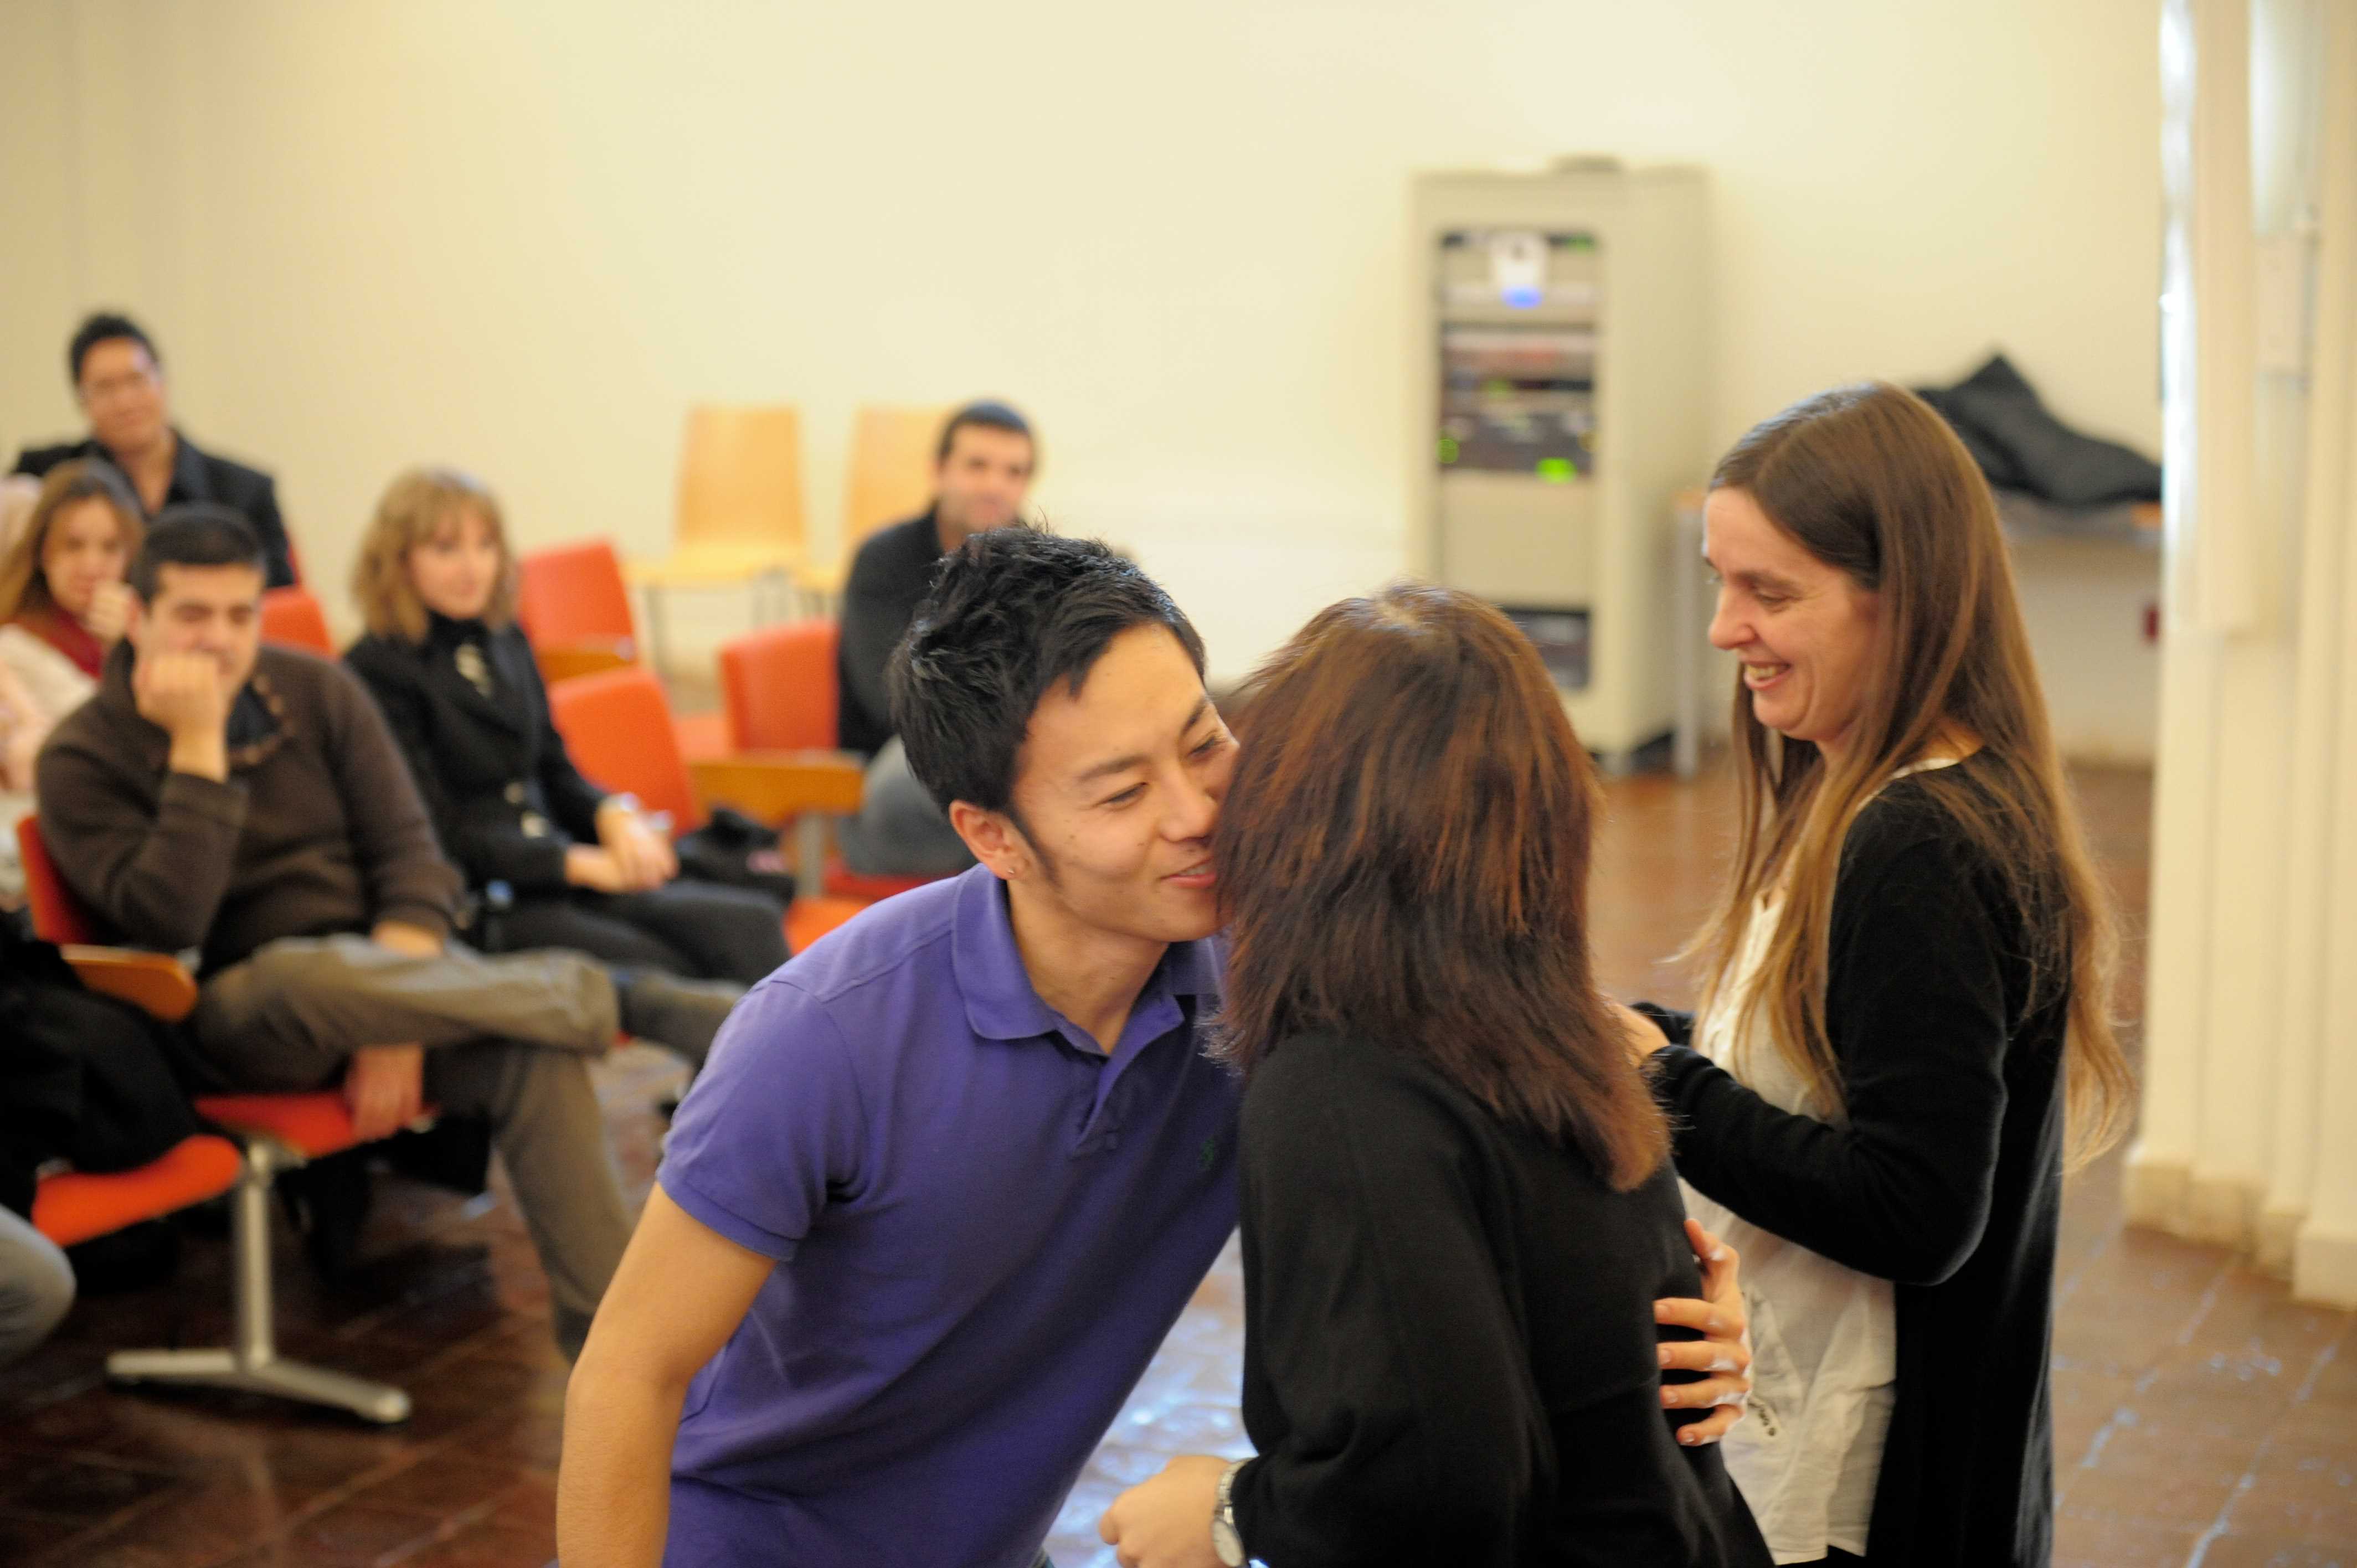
(949, 1177)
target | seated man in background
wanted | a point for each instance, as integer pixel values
(250, 803)
(981, 471)
(118, 379)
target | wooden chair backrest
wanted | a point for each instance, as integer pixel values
(740, 476)
(891, 474)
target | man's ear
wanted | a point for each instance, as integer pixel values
(993, 838)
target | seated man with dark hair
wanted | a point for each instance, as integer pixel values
(982, 469)
(118, 379)
(949, 1175)
(250, 803)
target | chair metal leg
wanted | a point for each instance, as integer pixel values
(252, 1364)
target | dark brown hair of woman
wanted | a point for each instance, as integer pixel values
(1870, 479)
(1403, 858)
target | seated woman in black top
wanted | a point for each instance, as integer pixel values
(1457, 1203)
(436, 583)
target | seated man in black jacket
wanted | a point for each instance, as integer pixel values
(118, 379)
(981, 471)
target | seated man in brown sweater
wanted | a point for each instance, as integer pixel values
(248, 802)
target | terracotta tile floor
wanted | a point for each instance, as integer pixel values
(2201, 1417)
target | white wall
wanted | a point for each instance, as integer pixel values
(524, 236)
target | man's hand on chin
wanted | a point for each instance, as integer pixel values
(181, 694)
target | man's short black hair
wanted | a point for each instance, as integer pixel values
(196, 534)
(984, 415)
(1013, 612)
(98, 327)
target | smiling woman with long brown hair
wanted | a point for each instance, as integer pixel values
(1903, 1036)
(1458, 1207)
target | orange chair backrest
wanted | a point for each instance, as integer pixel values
(618, 727)
(57, 915)
(574, 593)
(891, 469)
(778, 684)
(292, 618)
(740, 476)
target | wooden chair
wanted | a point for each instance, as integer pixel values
(618, 726)
(291, 617)
(279, 1133)
(740, 518)
(890, 477)
(779, 688)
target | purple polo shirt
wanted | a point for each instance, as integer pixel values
(983, 1225)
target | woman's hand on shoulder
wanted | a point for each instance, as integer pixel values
(1644, 1036)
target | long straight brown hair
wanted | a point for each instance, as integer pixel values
(1870, 479)
(24, 586)
(1403, 858)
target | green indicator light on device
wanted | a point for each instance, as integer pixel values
(1555, 471)
(1449, 448)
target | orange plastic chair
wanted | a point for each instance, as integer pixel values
(72, 1206)
(291, 617)
(779, 688)
(618, 726)
(279, 1132)
(573, 604)
(575, 608)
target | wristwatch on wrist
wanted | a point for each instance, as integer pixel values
(1224, 1539)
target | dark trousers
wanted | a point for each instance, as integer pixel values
(697, 930)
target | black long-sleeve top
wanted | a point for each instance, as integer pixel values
(1450, 1355)
(505, 798)
(1945, 1177)
(888, 579)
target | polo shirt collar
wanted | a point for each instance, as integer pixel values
(1000, 1003)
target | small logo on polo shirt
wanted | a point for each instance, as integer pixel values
(1210, 1154)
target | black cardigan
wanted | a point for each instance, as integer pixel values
(1450, 1355)
(503, 793)
(1946, 1178)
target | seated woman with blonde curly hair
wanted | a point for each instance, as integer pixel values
(436, 585)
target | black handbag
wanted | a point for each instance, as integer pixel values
(86, 1078)
(735, 850)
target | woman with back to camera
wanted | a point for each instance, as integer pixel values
(63, 603)
(1458, 1206)
(436, 585)
(1903, 1032)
